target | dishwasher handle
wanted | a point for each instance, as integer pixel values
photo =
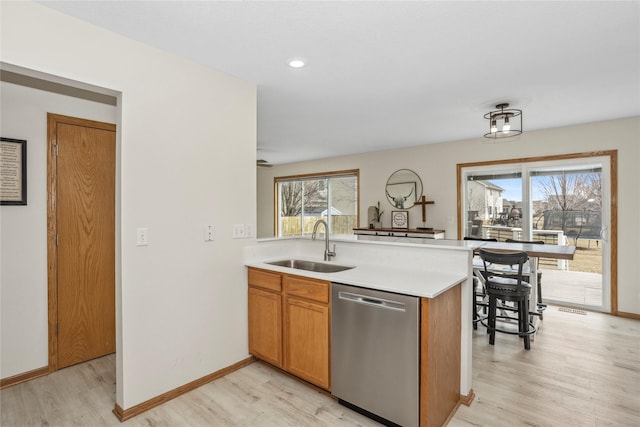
(372, 301)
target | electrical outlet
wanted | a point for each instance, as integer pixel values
(142, 236)
(238, 231)
(248, 230)
(208, 233)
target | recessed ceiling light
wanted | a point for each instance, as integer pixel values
(296, 63)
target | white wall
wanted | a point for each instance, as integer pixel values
(184, 131)
(436, 166)
(23, 229)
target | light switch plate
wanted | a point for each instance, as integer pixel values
(238, 231)
(248, 230)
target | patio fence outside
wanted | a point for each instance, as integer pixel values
(340, 225)
(588, 256)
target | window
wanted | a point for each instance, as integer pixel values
(302, 200)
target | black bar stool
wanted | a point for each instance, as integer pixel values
(509, 287)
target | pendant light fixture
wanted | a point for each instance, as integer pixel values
(504, 122)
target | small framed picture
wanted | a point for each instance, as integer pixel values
(13, 164)
(399, 219)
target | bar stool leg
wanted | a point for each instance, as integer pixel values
(540, 306)
(492, 319)
(525, 323)
(475, 307)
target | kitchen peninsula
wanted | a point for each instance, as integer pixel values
(438, 275)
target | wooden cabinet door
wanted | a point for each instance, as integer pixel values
(306, 340)
(265, 325)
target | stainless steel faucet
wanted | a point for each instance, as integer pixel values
(327, 253)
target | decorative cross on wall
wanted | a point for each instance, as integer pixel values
(424, 202)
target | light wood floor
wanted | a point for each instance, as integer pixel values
(582, 370)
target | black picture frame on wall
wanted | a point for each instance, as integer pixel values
(400, 219)
(13, 171)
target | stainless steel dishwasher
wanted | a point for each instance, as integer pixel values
(375, 353)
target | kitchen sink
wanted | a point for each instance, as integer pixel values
(318, 267)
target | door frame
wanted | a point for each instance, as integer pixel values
(613, 191)
(52, 225)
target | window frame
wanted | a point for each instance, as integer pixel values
(309, 176)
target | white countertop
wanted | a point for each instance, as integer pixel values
(404, 274)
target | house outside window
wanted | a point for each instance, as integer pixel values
(302, 200)
(484, 199)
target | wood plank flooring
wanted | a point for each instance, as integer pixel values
(582, 370)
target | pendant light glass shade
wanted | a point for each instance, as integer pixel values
(510, 118)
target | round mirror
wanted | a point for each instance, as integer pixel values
(404, 188)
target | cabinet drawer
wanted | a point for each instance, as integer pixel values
(303, 287)
(265, 279)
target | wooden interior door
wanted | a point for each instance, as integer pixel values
(83, 185)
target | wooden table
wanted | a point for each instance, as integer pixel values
(533, 250)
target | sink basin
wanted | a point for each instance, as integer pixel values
(318, 267)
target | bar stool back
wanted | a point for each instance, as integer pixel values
(539, 304)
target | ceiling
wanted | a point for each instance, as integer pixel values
(392, 74)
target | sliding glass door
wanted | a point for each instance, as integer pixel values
(568, 208)
(556, 201)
